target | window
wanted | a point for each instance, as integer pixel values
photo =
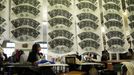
(10, 45)
(10, 48)
(44, 49)
(9, 51)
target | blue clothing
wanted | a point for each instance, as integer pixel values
(33, 57)
(45, 61)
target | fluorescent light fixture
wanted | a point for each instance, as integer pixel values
(43, 45)
(44, 23)
(125, 13)
(10, 45)
(103, 29)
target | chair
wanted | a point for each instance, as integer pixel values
(70, 60)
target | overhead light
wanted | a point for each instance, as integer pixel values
(43, 45)
(103, 29)
(44, 23)
(125, 13)
(9, 44)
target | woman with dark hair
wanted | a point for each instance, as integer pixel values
(34, 55)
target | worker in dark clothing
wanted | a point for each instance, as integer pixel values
(105, 55)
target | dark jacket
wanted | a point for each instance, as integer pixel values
(33, 57)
